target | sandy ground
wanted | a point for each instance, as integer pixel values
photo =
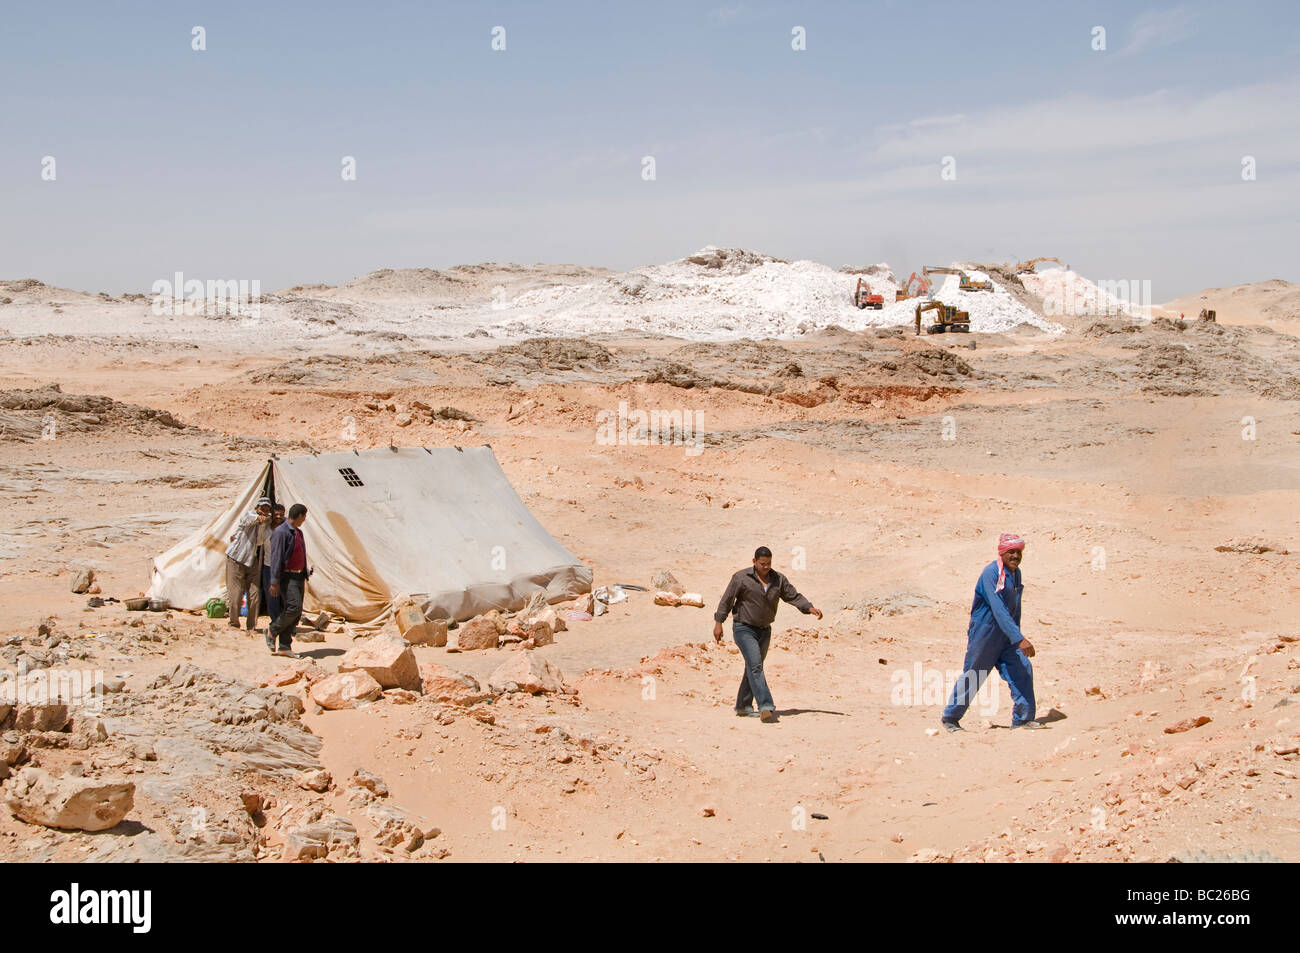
(1145, 466)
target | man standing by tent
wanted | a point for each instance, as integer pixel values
(289, 574)
(994, 640)
(752, 595)
(272, 602)
(243, 565)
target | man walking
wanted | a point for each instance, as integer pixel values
(242, 563)
(753, 594)
(289, 574)
(994, 640)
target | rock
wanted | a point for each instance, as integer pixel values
(11, 752)
(361, 778)
(598, 608)
(665, 598)
(665, 580)
(444, 685)
(393, 826)
(345, 690)
(1253, 547)
(403, 420)
(89, 728)
(253, 803)
(926, 855)
(304, 843)
(691, 599)
(303, 670)
(540, 632)
(1187, 724)
(429, 632)
(387, 659)
(41, 717)
(316, 839)
(82, 581)
(586, 603)
(527, 672)
(310, 636)
(707, 811)
(551, 618)
(480, 633)
(77, 804)
(318, 780)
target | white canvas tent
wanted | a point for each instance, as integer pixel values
(443, 526)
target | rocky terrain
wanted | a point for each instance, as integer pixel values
(1152, 467)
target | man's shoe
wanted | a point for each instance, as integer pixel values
(767, 716)
(1030, 724)
(270, 642)
(952, 726)
(744, 712)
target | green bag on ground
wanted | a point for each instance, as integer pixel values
(216, 609)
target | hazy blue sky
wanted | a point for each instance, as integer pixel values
(225, 163)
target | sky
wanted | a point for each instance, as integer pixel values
(908, 132)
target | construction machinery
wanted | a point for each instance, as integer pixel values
(1027, 267)
(966, 282)
(948, 319)
(865, 298)
(916, 287)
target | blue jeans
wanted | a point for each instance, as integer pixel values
(753, 643)
(982, 656)
(272, 604)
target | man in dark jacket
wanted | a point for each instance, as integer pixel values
(752, 595)
(994, 640)
(289, 574)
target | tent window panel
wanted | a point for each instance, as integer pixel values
(350, 476)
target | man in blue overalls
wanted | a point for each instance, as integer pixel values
(993, 639)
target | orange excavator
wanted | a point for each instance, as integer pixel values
(864, 298)
(966, 282)
(917, 285)
(948, 319)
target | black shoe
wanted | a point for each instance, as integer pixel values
(952, 726)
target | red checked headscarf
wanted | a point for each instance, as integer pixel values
(1006, 543)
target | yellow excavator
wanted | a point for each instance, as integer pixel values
(966, 282)
(1027, 267)
(949, 318)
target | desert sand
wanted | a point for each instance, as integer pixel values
(1151, 465)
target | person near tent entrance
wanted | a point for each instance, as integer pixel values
(289, 573)
(242, 563)
(270, 604)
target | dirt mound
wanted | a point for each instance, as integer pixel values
(556, 354)
(46, 411)
(677, 375)
(927, 365)
(21, 284)
(729, 261)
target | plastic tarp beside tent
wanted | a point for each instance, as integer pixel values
(443, 527)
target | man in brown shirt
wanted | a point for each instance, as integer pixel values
(751, 599)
